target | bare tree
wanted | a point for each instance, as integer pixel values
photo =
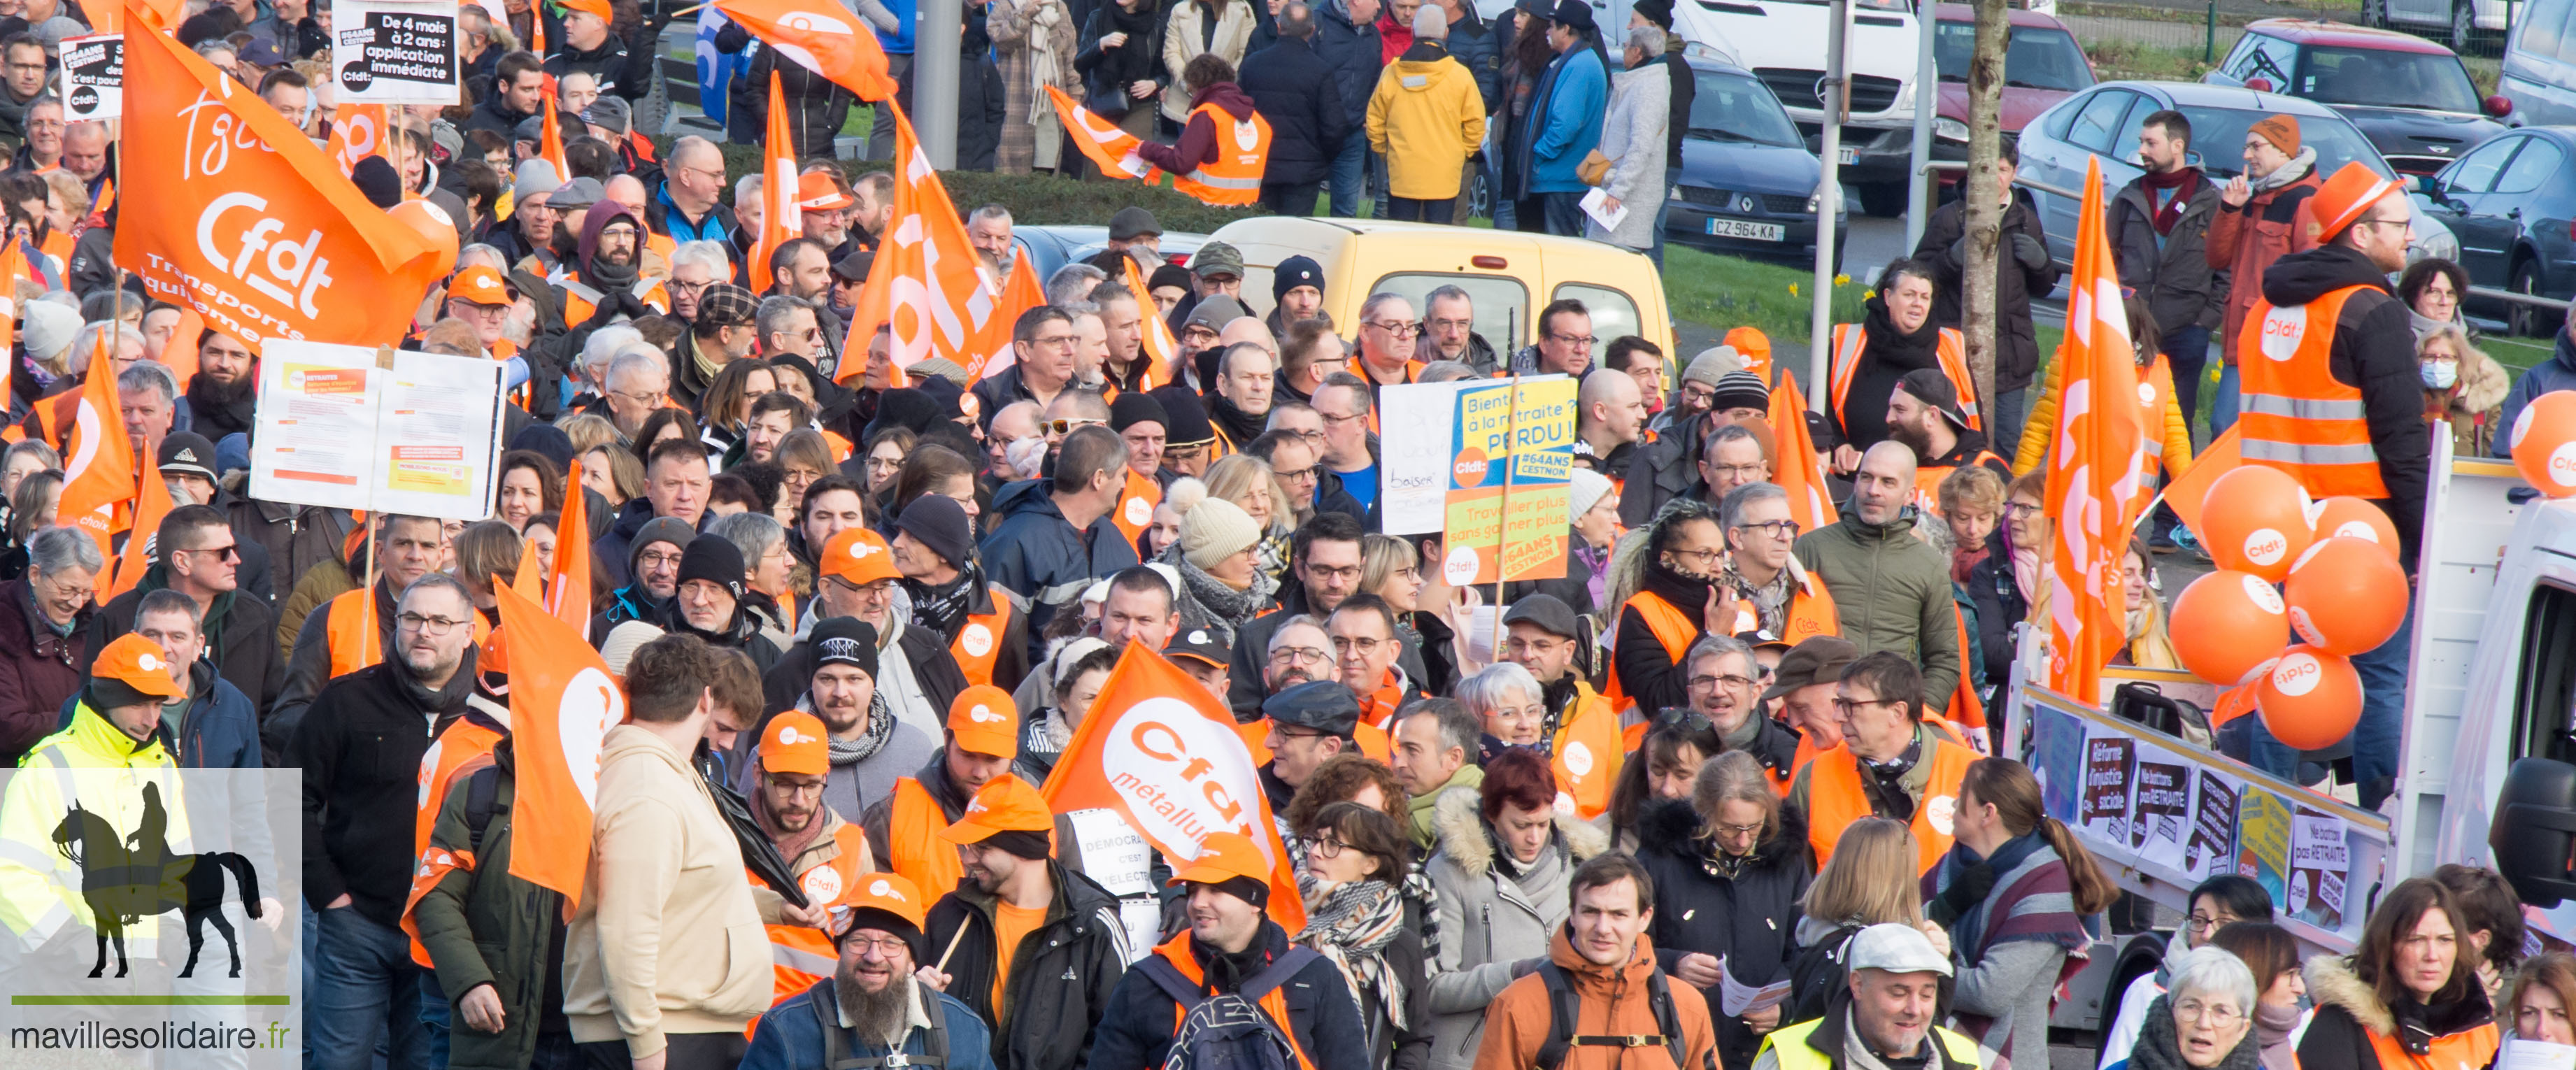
(1984, 216)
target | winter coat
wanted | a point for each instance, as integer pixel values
(1566, 116)
(492, 114)
(2374, 352)
(1426, 117)
(1323, 1017)
(2039, 427)
(1610, 999)
(1109, 71)
(361, 761)
(790, 1035)
(1062, 973)
(2472, 407)
(1477, 45)
(816, 106)
(612, 552)
(621, 68)
(1198, 146)
(1944, 246)
(319, 584)
(220, 729)
(38, 669)
(1685, 90)
(1491, 919)
(1038, 556)
(1190, 28)
(2244, 240)
(1353, 53)
(2349, 1011)
(1018, 38)
(1296, 91)
(242, 633)
(1892, 592)
(2000, 605)
(1746, 919)
(484, 926)
(1245, 690)
(1633, 137)
(2556, 373)
(2172, 269)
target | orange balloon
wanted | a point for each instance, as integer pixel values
(2311, 699)
(2346, 595)
(2544, 443)
(433, 223)
(2256, 520)
(2226, 623)
(2346, 515)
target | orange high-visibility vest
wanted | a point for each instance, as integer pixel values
(913, 847)
(580, 300)
(2297, 416)
(465, 747)
(1811, 611)
(660, 245)
(1966, 710)
(1587, 752)
(1927, 478)
(1273, 1003)
(1136, 504)
(1673, 627)
(800, 955)
(1851, 338)
(354, 644)
(1242, 153)
(979, 643)
(1835, 800)
(2455, 1051)
(1780, 781)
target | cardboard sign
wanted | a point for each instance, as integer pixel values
(93, 77)
(394, 52)
(1487, 464)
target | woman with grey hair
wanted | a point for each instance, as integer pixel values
(2205, 1019)
(1508, 700)
(1633, 139)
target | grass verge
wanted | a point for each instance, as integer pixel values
(1726, 292)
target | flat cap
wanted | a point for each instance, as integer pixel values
(1321, 705)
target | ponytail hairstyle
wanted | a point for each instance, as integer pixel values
(2014, 793)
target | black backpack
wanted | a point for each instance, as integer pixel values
(1564, 1006)
(1229, 1031)
(836, 1040)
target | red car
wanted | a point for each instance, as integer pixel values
(2042, 64)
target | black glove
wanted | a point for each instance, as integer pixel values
(1967, 890)
(632, 305)
(2032, 253)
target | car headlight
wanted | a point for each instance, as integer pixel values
(1949, 129)
(1815, 201)
(2443, 244)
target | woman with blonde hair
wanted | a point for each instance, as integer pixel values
(2148, 645)
(1248, 482)
(2012, 582)
(588, 431)
(2463, 388)
(1871, 879)
(1391, 569)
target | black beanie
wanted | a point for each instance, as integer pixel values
(715, 559)
(842, 641)
(1021, 843)
(1294, 272)
(1137, 407)
(376, 178)
(938, 522)
(889, 921)
(1246, 889)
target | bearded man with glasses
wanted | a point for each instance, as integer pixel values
(1891, 763)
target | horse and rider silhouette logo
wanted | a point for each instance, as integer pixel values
(125, 879)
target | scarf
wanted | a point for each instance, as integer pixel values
(2300, 166)
(1227, 608)
(2026, 566)
(2160, 1048)
(790, 844)
(880, 729)
(1045, 17)
(1351, 924)
(1770, 601)
(1898, 349)
(2169, 192)
(1238, 426)
(2272, 1029)
(1965, 561)
(942, 608)
(1968, 932)
(1686, 594)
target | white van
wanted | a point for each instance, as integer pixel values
(1783, 43)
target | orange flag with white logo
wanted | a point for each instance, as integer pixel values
(1164, 753)
(562, 701)
(569, 598)
(98, 474)
(1111, 148)
(358, 131)
(2096, 466)
(1162, 351)
(151, 503)
(2221, 456)
(1797, 468)
(928, 282)
(250, 223)
(780, 217)
(1024, 292)
(823, 37)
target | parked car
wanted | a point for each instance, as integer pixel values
(2103, 122)
(1783, 43)
(2464, 24)
(2512, 202)
(2412, 97)
(2540, 64)
(1747, 183)
(2042, 64)
(1052, 247)
(1508, 274)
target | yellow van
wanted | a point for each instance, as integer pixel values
(1510, 275)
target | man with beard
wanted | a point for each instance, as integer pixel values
(708, 602)
(982, 740)
(870, 748)
(1189, 445)
(1240, 406)
(856, 577)
(825, 853)
(1025, 934)
(1296, 293)
(336, 639)
(654, 562)
(825, 204)
(220, 394)
(800, 267)
(934, 548)
(608, 285)
(872, 1007)
(1923, 414)
(874, 193)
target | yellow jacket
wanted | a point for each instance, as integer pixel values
(2042, 426)
(94, 766)
(1426, 118)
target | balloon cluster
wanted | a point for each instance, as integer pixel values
(2341, 593)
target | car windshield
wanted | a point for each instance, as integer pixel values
(2037, 57)
(2382, 79)
(1737, 107)
(2218, 139)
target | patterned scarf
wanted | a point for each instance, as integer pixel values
(1351, 925)
(943, 609)
(854, 751)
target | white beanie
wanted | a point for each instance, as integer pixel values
(1587, 488)
(1216, 529)
(622, 643)
(49, 330)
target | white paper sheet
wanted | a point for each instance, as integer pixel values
(2520, 1054)
(1735, 998)
(1593, 201)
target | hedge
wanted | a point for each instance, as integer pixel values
(1034, 200)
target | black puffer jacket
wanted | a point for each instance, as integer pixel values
(1295, 91)
(2017, 342)
(1747, 918)
(1061, 974)
(623, 67)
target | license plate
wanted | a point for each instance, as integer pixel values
(1747, 229)
(1847, 156)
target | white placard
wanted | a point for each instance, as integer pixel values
(421, 437)
(93, 77)
(1110, 851)
(395, 52)
(1415, 424)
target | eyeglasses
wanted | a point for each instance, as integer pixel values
(1067, 427)
(1296, 475)
(1741, 471)
(1731, 680)
(1737, 832)
(1578, 341)
(2019, 509)
(427, 625)
(1398, 328)
(646, 400)
(883, 946)
(1055, 341)
(1845, 706)
(1345, 573)
(2203, 924)
(655, 562)
(1299, 655)
(2402, 224)
(1366, 645)
(1328, 848)
(1705, 558)
(1700, 394)
(2219, 1015)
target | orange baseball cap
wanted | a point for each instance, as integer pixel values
(859, 556)
(590, 7)
(480, 285)
(1225, 856)
(137, 663)
(795, 742)
(1006, 804)
(986, 721)
(816, 192)
(891, 893)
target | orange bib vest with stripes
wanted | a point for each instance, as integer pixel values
(1672, 627)
(1586, 753)
(1851, 339)
(1835, 799)
(1242, 154)
(979, 642)
(800, 955)
(913, 847)
(2296, 416)
(465, 747)
(1810, 613)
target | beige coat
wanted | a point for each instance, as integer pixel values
(1183, 29)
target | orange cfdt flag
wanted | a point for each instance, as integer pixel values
(562, 701)
(151, 503)
(1165, 755)
(1798, 468)
(251, 224)
(780, 217)
(357, 132)
(1111, 148)
(821, 36)
(569, 598)
(98, 472)
(1162, 351)
(2220, 457)
(550, 143)
(1019, 295)
(179, 354)
(2095, 467)
(530, 579)
(928, 285)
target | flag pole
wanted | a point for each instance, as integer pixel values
(367, 627)
(1502, 527)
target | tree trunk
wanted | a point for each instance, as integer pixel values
(1984, 219)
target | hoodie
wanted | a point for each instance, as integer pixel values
(1426, 118)
(2374, 351)
(1197, 146)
